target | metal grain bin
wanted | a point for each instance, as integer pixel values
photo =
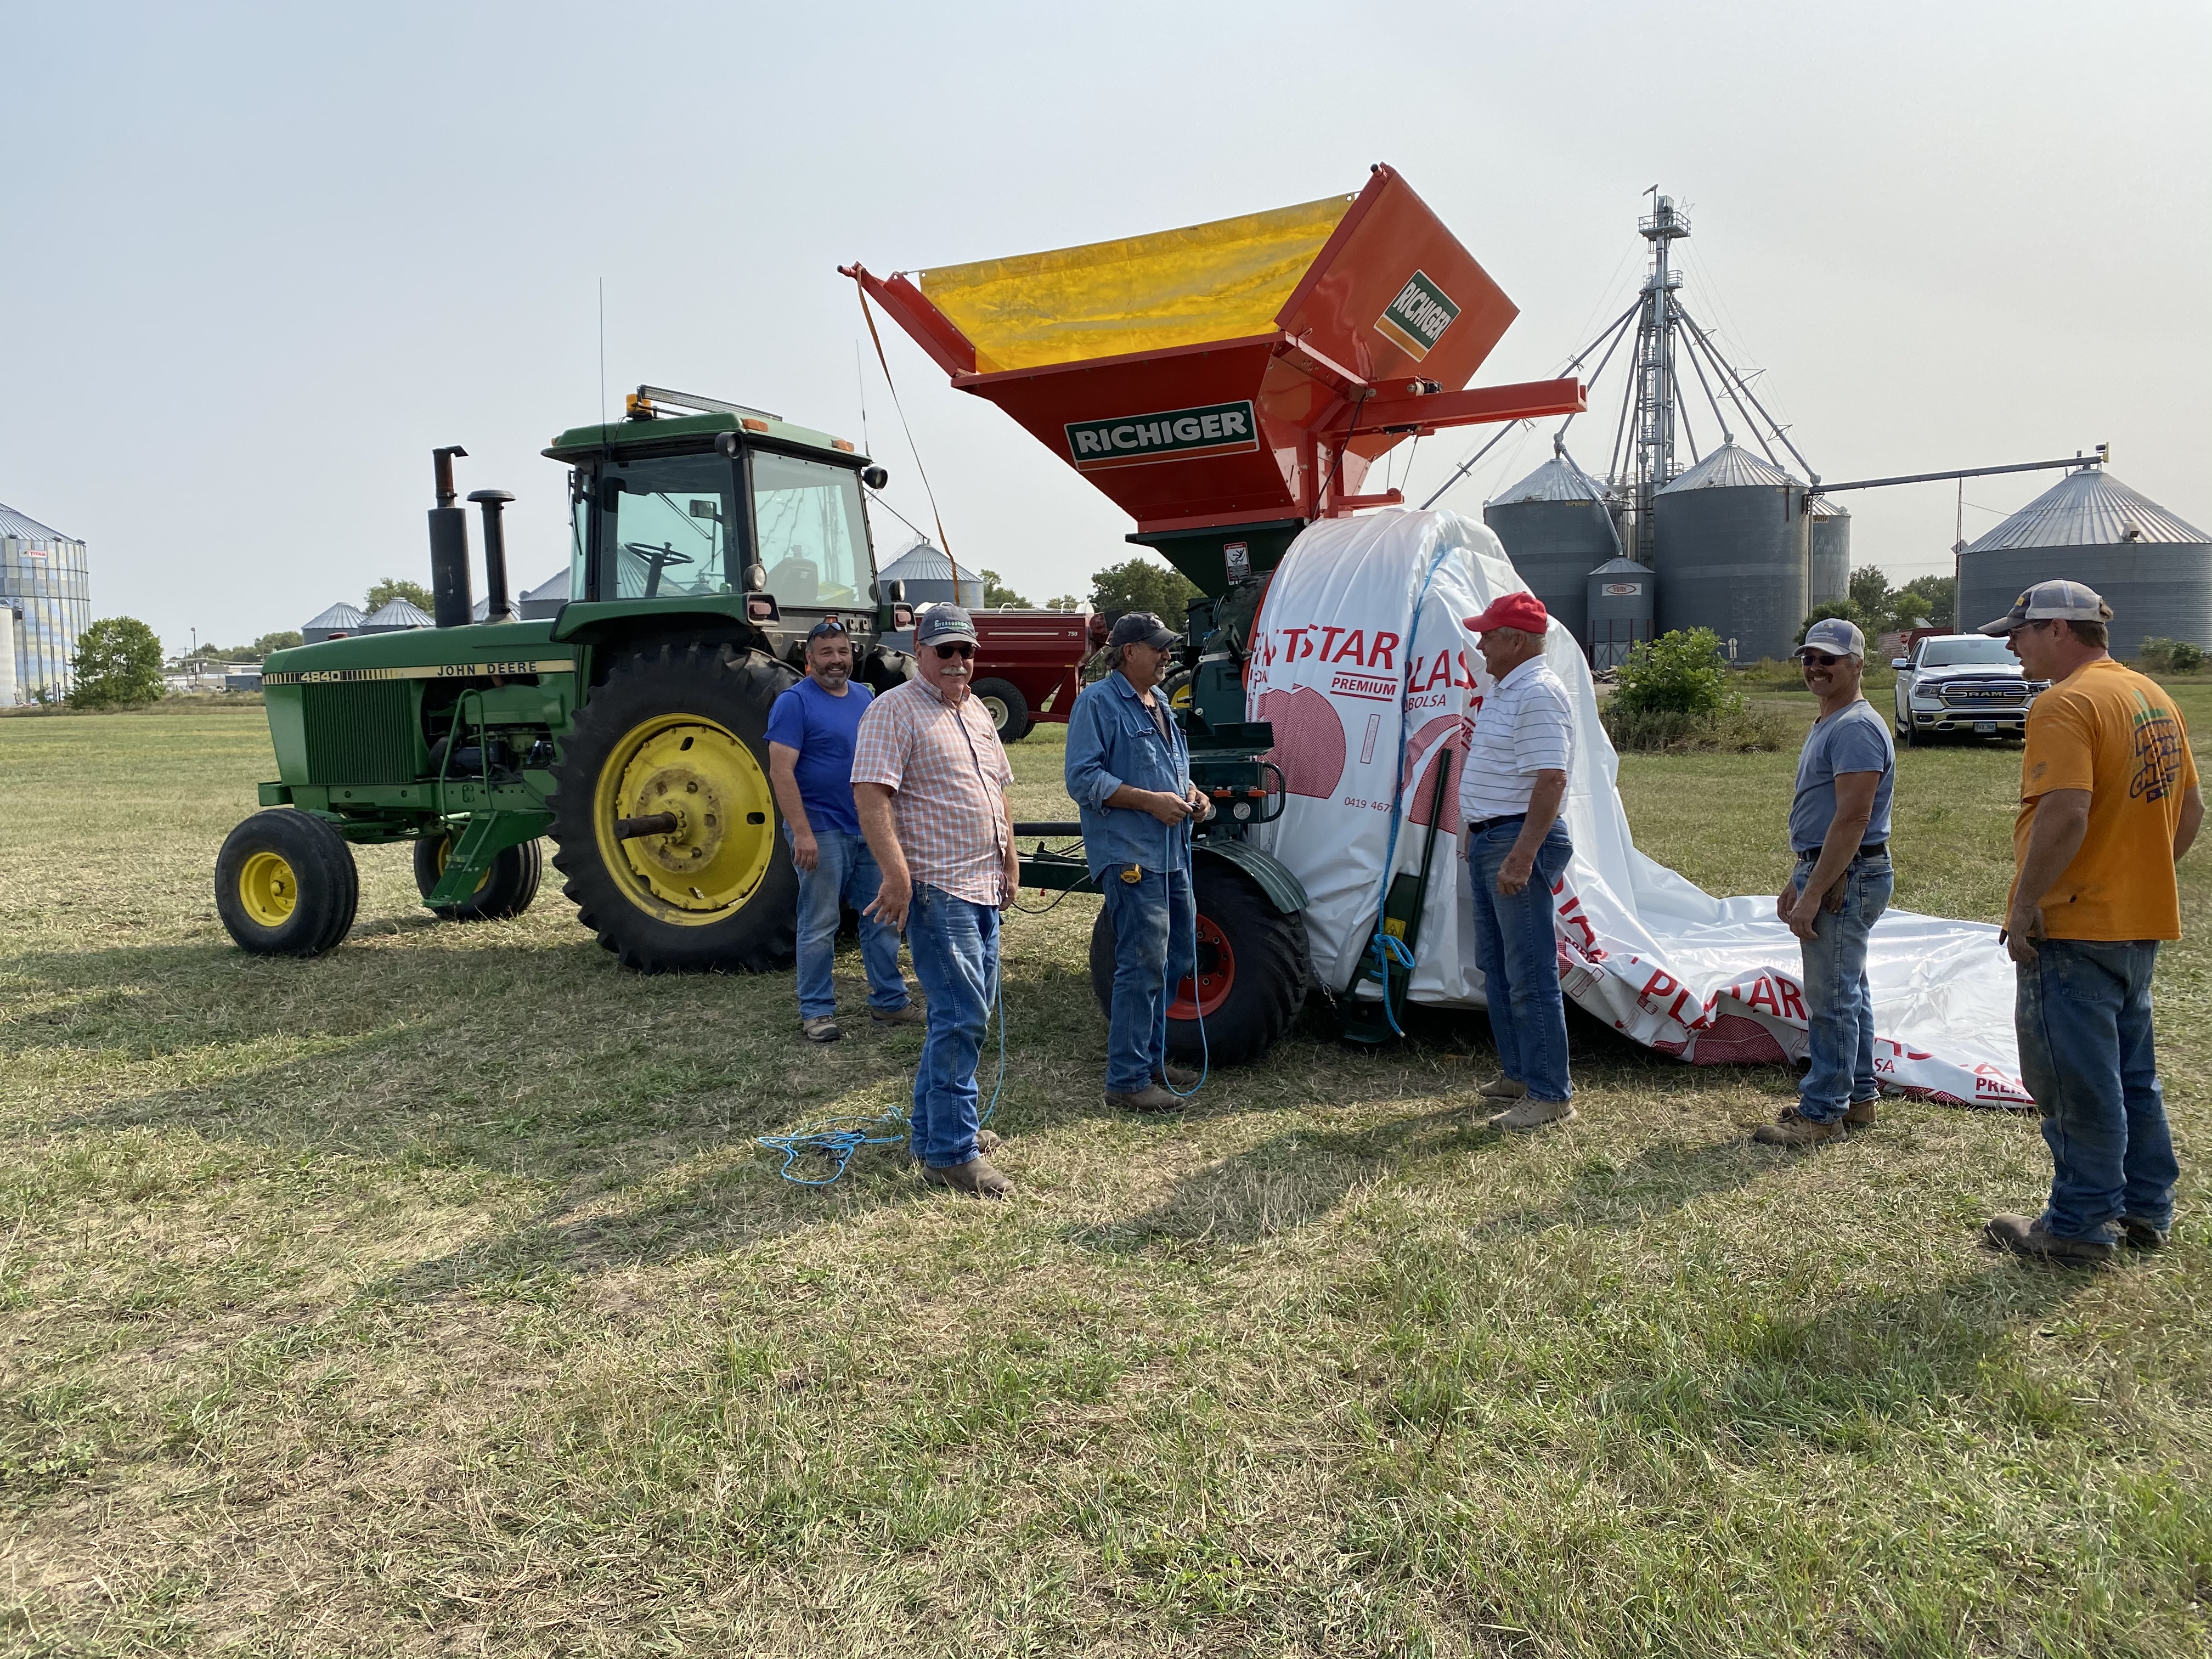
(1621, 605)
(340, 619)
(1730, 553)
(46, 602)
(931, 578)
(2154, 569)
(1829, 529)
(1557, 528)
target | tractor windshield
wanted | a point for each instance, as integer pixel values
(665, 527)
(806, 515)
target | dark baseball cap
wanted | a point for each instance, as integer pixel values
(943, 621)
(1141, 628)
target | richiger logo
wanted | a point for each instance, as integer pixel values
(1174, 434)
(1418, 318)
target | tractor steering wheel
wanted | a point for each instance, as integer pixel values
(656, 559)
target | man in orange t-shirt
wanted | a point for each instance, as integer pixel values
(2109, 803)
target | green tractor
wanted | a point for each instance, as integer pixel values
(631, 727)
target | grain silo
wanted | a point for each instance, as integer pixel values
(395, 615)
(1557, 526)
(46, 584)
(1621, 601)
(931, 578)
(1730, 554)
(2154, 569)
(340, 619)
(1828, 533)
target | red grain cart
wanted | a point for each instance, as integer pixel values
(1027, 666)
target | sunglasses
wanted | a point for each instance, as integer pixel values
(946, 653)
(1819, 657)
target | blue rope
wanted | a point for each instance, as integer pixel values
(835, 1140)
(1385, 946)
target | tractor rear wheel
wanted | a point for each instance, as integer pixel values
(505, 890)
(1252, 966)
(1009, 709)
(682, 731)
(286, 885)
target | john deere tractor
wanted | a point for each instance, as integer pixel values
(706, 539)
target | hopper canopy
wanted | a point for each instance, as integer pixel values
(1242, 370)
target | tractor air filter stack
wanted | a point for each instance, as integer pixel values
(493, 502)
(449, 547)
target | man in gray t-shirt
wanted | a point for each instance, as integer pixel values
(1839, 831)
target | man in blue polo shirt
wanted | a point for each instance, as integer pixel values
(1129, 769)
(809, 761)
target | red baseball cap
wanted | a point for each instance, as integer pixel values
(1522, 610)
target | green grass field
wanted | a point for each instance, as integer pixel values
(433, 1297)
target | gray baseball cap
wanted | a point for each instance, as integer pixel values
(940, 622)
(1836, 635)
(2058, 600)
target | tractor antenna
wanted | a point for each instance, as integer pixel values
(860, 377)
(603, 357)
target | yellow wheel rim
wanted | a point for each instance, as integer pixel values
(1180, 696)
(445, 851)
(714, 861)
(267, 889)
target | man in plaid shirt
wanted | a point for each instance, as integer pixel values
(930, 779)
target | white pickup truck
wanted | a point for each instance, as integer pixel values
(1961, 685)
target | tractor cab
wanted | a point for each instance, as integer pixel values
(722, 511)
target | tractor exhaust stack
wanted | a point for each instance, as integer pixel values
(449, 547)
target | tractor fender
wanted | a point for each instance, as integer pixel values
(1284, 889)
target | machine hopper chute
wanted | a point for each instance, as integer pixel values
(1244, 372)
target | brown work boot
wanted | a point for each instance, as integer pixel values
(1799, 1133)
(1182, 1076)
(911, 1013)
(1525, 1116)
(2140, 1235)
(1150, 1098)
(823, 1028)
(975, 1177)
(1863, 1114)
(2021, 1236)
(1503, 1087)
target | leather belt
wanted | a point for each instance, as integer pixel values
(1481, 824)
(1878, 849)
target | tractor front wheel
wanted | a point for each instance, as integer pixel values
(681, 733)
(1252, 969)
(505, 890)
(285, 884)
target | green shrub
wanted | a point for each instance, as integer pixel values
(1734, 731)
(1677, 673)
(118, 663)
(2163, 656)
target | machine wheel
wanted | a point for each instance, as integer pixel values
(1913, 737)
(285, 884)
(505, 889)
(682, 730)
(1010, 709)
(1178, 686)
(1252, 966)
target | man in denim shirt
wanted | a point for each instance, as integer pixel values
(1839, 829)
(1129, 770)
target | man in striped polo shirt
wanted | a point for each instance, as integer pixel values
(1510, 789)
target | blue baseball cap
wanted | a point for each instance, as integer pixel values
(943, 621)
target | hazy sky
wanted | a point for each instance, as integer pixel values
(260, 260)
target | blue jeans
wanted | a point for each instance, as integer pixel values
(845, 872)
(1517, 951)
(1839, 1002)
(956, 957)
(2083, 1016)
(1153, 944)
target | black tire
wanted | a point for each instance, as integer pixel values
(1913, 737)
(1267, 966)
(1010, 709)
(684, 728)
(286, 885)
(506, 888)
